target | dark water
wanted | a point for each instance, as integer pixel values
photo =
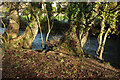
(111, 51)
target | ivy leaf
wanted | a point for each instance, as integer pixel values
(62, 60)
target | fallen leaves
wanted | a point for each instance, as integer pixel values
(29, 64)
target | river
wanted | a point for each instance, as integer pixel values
(111, 52)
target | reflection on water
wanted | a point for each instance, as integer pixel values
(111, 51)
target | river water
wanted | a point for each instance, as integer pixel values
(111, 51)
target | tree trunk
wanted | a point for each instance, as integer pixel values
(102, 39)
(103, 43)
(100, 36)
(39, 25)
(73, 40)
(103, 34)
(24, 40)
(80, 23)
(12, 30)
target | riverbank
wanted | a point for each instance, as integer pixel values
(54, 64)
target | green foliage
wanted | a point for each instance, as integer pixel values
(81, 14)
(60, 18)
(82, 66)
(3, 54)
(62, 60)
(108, 63)
(110, 15)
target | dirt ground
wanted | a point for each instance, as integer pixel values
(54, 64)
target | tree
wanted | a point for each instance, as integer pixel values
(48, 11)
(109, 16)
(25, 39)
(81, 17)
(12, 30)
